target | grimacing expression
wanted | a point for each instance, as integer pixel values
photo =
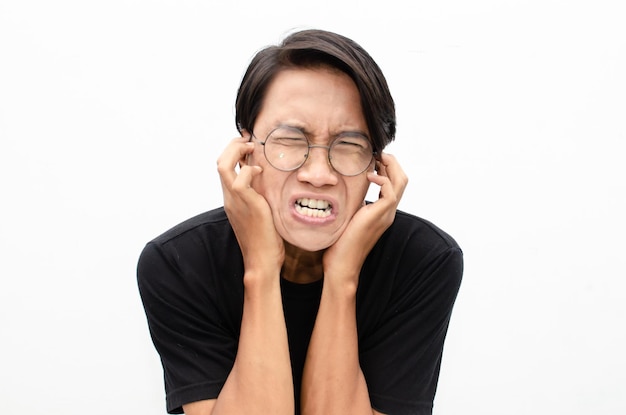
(312, 205)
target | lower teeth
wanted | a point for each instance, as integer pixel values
(312, 212)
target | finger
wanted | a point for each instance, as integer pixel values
(243, 182)
(380, 168)
(386, 194)
(391, 179)
(392, 169)
(236, 150)
(230, 157)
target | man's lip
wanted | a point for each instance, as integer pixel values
(314, 206)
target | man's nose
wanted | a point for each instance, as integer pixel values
(317, 169)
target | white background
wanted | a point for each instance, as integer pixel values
(511, 126)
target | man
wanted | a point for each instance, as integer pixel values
(298, 296)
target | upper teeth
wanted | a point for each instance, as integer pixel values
(313, 203)
(313, 207)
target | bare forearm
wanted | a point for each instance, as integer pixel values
(333, 382)
(260, 381)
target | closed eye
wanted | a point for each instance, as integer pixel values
(289, 141)
(352, 143)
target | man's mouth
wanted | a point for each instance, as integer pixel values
(314, 208)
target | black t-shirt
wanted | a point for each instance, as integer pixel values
(191, 283)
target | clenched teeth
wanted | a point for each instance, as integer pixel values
(313, 203)
(313, 207)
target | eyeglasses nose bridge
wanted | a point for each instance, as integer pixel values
(318, 146)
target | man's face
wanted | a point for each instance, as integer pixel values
(311, 206)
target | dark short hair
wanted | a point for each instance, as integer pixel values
(313, 48)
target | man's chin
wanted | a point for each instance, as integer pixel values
(313, 243)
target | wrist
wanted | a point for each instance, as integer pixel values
(344, 287)
(261, 278)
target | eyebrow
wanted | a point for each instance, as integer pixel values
(350, 133)
(303, 130)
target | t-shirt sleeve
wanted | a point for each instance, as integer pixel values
(196, 346)
(401, 356)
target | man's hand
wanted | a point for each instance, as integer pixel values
(248, 211)
(345, 258)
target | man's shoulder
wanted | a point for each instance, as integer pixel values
(193, 247)
(407, 225)
(215, 218)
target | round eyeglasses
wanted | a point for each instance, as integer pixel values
(287, 149)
